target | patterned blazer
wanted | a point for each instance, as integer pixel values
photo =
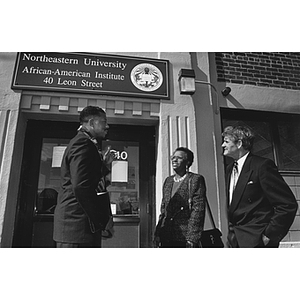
(183, 221)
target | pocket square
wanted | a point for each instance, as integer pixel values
(250, 182)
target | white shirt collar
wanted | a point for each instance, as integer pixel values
(241, 162)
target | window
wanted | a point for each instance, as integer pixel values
(49, 174)
(277, 135)
(124, 178)
(289, 141)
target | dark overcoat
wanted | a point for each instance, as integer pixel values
(82, 168)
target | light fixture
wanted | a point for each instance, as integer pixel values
(187, 81)
(187, 85)
(226, 91)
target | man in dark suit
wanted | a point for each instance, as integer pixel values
(261, 206)
(76, 221)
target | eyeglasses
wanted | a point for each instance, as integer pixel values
(173, 157)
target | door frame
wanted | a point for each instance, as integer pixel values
(38, 129)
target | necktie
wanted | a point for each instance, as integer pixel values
(234, 179)
(235, 173)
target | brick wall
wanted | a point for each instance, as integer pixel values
(271, 69)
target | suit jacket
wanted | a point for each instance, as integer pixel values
(183, 221)
(262, 203)
(81, 170)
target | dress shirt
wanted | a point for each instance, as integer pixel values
(240, 162)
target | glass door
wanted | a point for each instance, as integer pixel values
(131, 185)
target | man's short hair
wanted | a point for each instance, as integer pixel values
(240, 133)
(90, 111)
(188, 152)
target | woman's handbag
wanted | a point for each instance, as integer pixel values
(209, 238)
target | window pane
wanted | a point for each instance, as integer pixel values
(49, 175)
(262, 143)
(124, 178)
(289, 135)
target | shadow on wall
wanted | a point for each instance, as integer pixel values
(234, 102)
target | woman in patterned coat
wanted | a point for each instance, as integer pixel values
(183, 205)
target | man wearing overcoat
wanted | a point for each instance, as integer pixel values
(261, 206)
(76, 218)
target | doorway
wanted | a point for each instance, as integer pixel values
(132, 183)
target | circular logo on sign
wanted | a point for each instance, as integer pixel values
(146, 77)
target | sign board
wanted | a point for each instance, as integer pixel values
(119, 171)
(92, 73)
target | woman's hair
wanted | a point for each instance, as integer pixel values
(189, 154)
(90, 111)
(240, 133)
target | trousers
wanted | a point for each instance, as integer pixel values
(232, 241)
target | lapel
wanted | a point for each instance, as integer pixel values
(168, 189)
(180, 190)
(227, 182)
(241, 184)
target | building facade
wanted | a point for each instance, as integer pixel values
(149, 117)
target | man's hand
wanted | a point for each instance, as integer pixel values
(108, 155)
(190, 244)
(156, 242)
(265, 240)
